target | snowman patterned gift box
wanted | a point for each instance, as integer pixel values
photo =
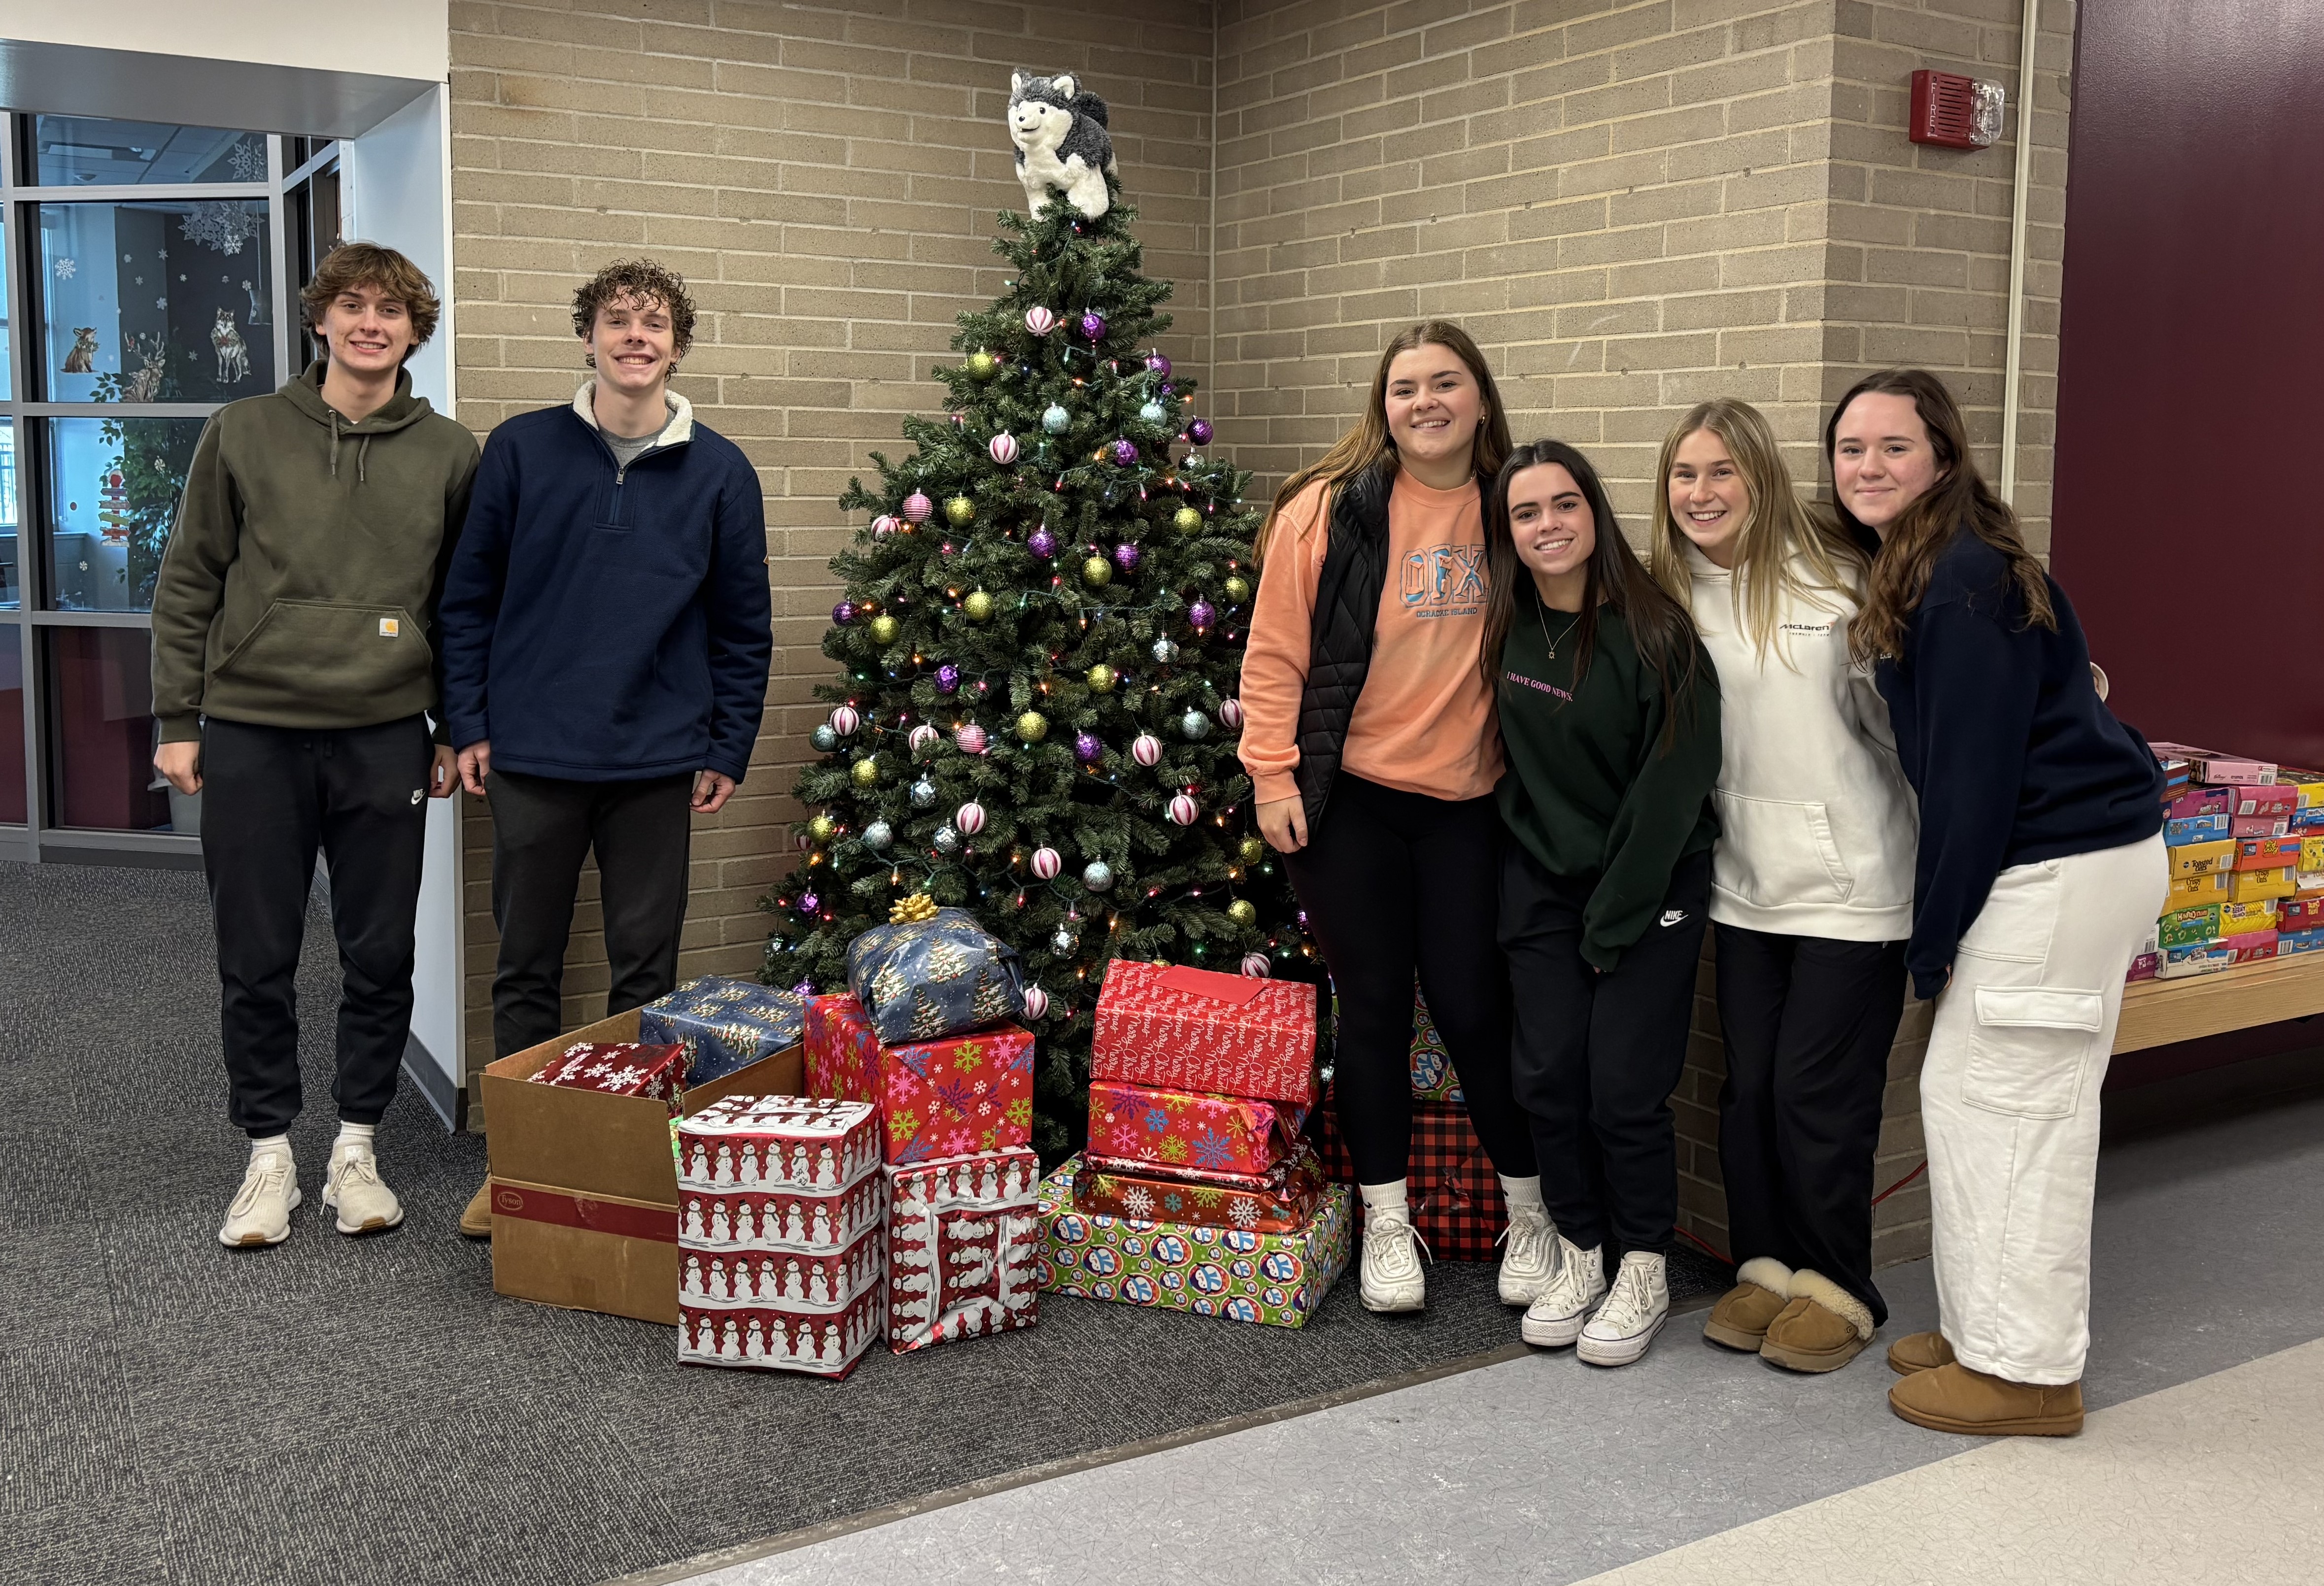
(793, 1142)
(798, 1278)
(964, 1236)
(723, 1024)
(1191, 1029)
(619, 1068)
(1188, 1132)
(1278, 1279)
(772, 1339)
(948, 1097)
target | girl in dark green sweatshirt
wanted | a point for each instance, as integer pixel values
(1609, 714)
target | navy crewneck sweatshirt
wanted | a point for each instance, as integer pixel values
(2002, 736)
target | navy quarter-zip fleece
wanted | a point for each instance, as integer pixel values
(609, 623)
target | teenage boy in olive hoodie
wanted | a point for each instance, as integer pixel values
(606, 640)
(293, 670)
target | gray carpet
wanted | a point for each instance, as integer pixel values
(360, 1411)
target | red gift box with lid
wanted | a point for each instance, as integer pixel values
(963, 1248)
(1189, 1131)
(1453, 1193)
(1283, 1204)
(945, 1098)
(619, 1068)
(822, 1343)
(793, 1142)
(1191, 1029)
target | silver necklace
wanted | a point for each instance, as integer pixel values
(1562, 638)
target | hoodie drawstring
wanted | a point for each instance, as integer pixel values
(363, 453)
(335, 444)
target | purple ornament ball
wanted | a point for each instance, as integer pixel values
(1087, 747)
(1125, 556)
(1093, 326)
(1199, 432)
(844, 613)
(808, 903)
(947, 677)
(1155, 363)
(1125, 452)
(1200, 614)
(1041, 543)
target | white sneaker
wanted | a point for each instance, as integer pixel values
(1632, 1315)
(260, 1212)
(1556, 1316)
(1528, 1255)
(1391, 1278)
(365, 1204)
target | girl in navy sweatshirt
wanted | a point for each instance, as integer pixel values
(2039, 867)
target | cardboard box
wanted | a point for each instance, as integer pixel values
(2238, 919)
(2267, 853)
(2249, 886)
(2268, 799)
(2250, 947)
(2209, 765)
(2204, 958)
(2201, 859)
(2311, 851)
(2194, 891)
(584, 1188)
(2194, 802)
(2143, 967)
(2199, 828)
(2288, 943)
(2185, 927)
(2258, 825)
(2302, 911)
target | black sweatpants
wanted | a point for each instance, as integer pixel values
(1596, 1057)
(270, 798)
(1391, 883)
(1808, 1025)
(543, 827)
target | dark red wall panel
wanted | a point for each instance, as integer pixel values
(2190, 509)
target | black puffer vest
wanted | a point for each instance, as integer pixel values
(1339, 646)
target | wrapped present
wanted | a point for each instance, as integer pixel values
(1277, 1279)
(930, 972)
(812, 1219)
(1191, 1131)
(775, 1338)
(1453, 1193)
(1191, 1029)
(1432, 1065)
(1282, 1205)
(723, 1024)
(963, 1240)
(942, 1098)
(619, 1068)
(799, 1142)
(802, 1281)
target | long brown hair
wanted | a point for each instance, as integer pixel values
(1959, 500)
(1778, 529)
(1659, 626)
(1367, 444)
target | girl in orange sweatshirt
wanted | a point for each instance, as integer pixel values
(1371, 743)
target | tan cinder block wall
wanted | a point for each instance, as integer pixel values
(1634, 207)
(827, 176)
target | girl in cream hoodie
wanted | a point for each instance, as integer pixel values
(1811, 885)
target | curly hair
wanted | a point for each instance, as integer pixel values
(353, 265)
(639, 280)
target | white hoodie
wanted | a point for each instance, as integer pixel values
(1817, 824)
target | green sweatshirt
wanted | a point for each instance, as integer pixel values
(1590, 789)
(300, 585)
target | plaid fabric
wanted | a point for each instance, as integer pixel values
(1455, 1198)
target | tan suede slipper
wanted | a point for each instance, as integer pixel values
(1739, 1319)
(1822, 1330)
(1954, 1398)
(1919, 1351)
(476, 1220)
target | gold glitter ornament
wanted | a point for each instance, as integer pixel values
(983, 365)
(1238, 590)
(884, 628)
(1252, 850)
(1242, 913)
(960, 511)
(978, 605)
(1188, 519)
(1032, 726)
(1097, 572)
(822, 827)
(866, 773)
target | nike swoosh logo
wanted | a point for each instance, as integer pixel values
(1671, 917)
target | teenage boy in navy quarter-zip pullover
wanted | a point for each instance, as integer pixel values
(607, 638)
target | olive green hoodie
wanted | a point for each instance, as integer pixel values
(300, 585)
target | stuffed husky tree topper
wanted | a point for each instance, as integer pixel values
(1062, 144)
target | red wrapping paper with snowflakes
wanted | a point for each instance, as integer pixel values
(963, 1237)
(944, 1098)
(619, 1068)
(1281, 1205)
(1189, 1131)
(1190, 1029)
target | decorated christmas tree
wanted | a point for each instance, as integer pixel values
(1040, 642)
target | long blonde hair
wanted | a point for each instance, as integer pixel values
(1777, 528)
(1367, 445)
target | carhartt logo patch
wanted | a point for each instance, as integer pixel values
(389, 627)
(1671, 917)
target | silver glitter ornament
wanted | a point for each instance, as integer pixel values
(1165, 651)
(923, 794)
(1062, 941)
(824, 738)
(878, 835)
(946, 840)
(1097, 875)
(1194, 724)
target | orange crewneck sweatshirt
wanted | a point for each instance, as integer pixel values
(1425, 722)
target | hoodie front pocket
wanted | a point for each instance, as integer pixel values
(327, 652)
(2029, 1048)
(1772, 852)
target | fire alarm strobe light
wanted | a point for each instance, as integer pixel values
(1955, 112)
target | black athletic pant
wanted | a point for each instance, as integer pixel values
(1391, 883)
(543, 827)
(270, 798)
(1808, 1024)
(1597, 1055)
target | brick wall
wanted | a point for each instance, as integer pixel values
(827, 177)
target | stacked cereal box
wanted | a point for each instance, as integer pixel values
(2240, 879)
(923, 1041)
(781, 1234)
(1197, 1191)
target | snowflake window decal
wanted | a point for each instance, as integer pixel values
(221, 224)
(67, 269)
(249, 164)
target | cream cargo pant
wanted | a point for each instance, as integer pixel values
(2010, 1099)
